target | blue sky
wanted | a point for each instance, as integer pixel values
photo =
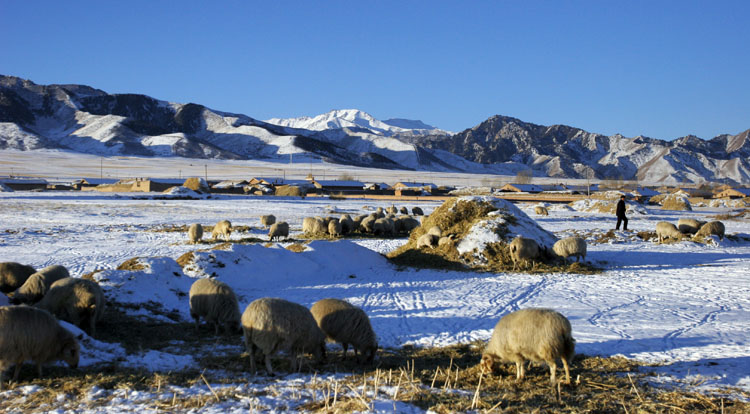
(663, 69)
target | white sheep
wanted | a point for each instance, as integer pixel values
(435, 230)
(313, 225)
(36, 286)
(392, 210)
(538, 335)
(384, 227)
(712, 228)
(368, 224)
(273, 324)
(346, 324)
(666, 230)
(215, 302)
(278, 230)
(523, 249)
(267, 220)
(570, 246)
(334, 227)
(195, 233)
(78, 301)
(347, 224)
(689, 226)
(541, 210)
(28, 333)
(13, 275)
(223, 229)
(427, 240)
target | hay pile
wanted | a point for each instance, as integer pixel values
(289, 190)
(197, 184)
(481, 228)
(676, 201)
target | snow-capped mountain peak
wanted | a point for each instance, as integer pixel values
(355, 118)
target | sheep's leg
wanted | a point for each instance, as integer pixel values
(268, 365)
(552, 371)
(17, 372)
(216, 328)
(346, 348)
(251, 352)
(520, 372)
(196, 318)
(92, 326)
(567, 370)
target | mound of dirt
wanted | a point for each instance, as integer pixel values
(481, 229)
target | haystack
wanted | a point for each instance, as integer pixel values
(197, 184)
(676, 201)
(481, 228)
(289, 190)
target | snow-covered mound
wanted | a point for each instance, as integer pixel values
(591, 205)
(479, 228)
(180, 191)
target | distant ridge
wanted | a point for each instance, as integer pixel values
(88, 120)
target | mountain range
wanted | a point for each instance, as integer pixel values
(84, 119)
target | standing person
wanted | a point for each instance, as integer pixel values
(621, 214)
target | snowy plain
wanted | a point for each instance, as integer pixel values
(685, 306)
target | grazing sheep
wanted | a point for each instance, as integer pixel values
(446, 240)
(368, 224)
(379, 213)
(384, 227)
(267, 220)
(666, 230)
(13, 275)
(689, 226)
(358, 222)
(334, 228)
(405, 224)
(347, 324)
(313, 225)
(78, 301)
(273, 325)
(279, 230)
(523, 249)
(403, 210)
(36, 286)
(570, 246)
(427, 240)
(435, 231)
(215, 302)
(417, 211)
(347, 224)
(541, 210)
(222, 228)
(392, 210)
(531, 334)
(28, 333)
(712, 228)
(195, 233)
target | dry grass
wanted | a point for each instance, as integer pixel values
(737, 215)
(676, 203)
(442, 380)
(133, 265)
(289, 190)
(297, 247)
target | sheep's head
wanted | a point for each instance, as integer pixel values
(71, 351)
(488, 362)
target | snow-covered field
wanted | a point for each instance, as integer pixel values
(685, 305)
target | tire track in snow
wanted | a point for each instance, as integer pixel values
(671, 337)
(600, 314)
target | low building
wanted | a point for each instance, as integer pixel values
(532, 188)
(733, 193)
(339, 186)
(24, 184)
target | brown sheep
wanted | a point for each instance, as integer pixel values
(13, 275)
(531, 334)
(347, 324)
(267, 220)
(195, 233)
(78, 301)
(223, 229)
(523, 250)
(215, 302)
(541, 210)
(272, 325)
(36, 286)
(712, 228)
(28, 333)
(278, 230)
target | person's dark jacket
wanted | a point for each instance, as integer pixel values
(620, 208)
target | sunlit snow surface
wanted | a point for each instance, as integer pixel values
(686, 305)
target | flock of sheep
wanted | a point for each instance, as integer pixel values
(29, 329)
